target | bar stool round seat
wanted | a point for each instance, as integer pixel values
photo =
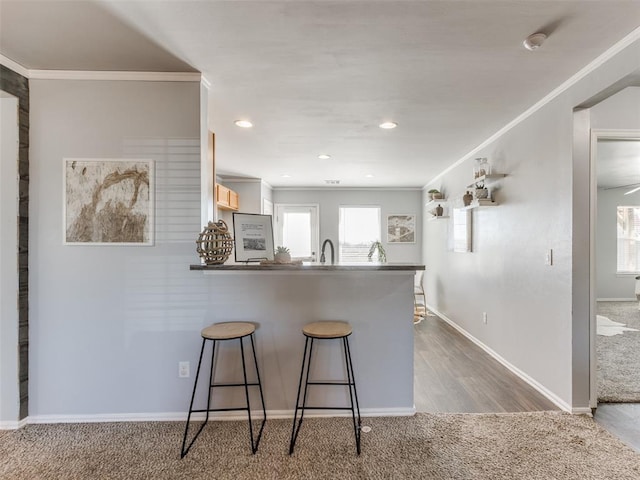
(228, 330)
(327, 329)
(221, 332)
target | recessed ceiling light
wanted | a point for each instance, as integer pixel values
(388, 125)
(286, 175)
(243, 123)
(368, 175)
(535, 41)
(324, 156)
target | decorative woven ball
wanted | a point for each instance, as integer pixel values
(214, 244)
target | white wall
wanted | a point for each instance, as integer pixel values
(529, 304)
(390, 201)
(109, 324)
(9, 393)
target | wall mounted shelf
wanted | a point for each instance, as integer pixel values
(435, 217)
(480, 203)
(486, 179)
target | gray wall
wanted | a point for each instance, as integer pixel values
(390, 202)
(109, 324)
(9, 392)
(529, 304)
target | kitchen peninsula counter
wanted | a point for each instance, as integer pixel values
(311, 267)
(375, 298)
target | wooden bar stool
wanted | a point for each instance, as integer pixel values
(326, 330)
(222, 332)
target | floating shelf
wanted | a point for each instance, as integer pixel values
(487, 179)
(480, 203)
(435, 217)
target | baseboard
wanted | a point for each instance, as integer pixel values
(582, 411)
(13, 425)
(539, 387)
(182, 416)
(616, 300)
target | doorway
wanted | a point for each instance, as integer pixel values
(297, 228)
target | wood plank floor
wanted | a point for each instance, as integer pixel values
(453, 375)
(622, 420)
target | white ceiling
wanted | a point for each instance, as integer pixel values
(319, 76)
(618, 163)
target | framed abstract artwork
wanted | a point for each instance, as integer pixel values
(108, 202)
(401, 228)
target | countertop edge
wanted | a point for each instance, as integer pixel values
(383, 267)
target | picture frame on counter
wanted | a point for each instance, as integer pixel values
(253, 236)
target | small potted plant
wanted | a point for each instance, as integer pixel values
(282, 255)
(481, 190)
(435, 194)
(382, 255)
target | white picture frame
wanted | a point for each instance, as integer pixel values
(253, 237)
(108, 202)
(461, 233)
(401, 228)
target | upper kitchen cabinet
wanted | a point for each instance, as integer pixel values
(226, 199)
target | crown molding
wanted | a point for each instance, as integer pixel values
(592, 66)
(344, 189)
(16, 67)
(119, 76)
(204, 81)
(104, 75)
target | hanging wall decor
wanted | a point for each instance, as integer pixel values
(108, 202)
(401, 229)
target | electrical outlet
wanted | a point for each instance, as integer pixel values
(484, 317)
(183, 369)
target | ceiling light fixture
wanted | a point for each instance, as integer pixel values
(634, 190)
(324, 156)
(286, 175)
(243, 123)
(535, 41)
(388, 125)
(368, 175)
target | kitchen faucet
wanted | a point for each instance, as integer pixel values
(324, 244)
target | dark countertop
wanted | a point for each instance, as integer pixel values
(311, 267)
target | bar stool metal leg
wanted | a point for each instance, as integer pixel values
(246, 384)
(308, 345)
(352, 392)
(184, 451)
(254, 443)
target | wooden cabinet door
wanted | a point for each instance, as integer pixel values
(233, 200)
(222, 195)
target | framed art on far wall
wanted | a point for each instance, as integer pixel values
(253, 235)
(108, 202)
(401, 228)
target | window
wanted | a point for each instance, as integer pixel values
(628, 233)
(359, 228)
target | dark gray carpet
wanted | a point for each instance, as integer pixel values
(618, 356)
(541, 445)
